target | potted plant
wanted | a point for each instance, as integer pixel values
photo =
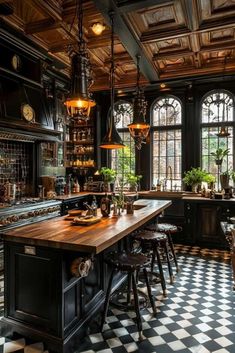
(194, 177)
(210, 180)
(224, 179)
(219, 155)
(232, 174)
(133, 181)
(109, 176)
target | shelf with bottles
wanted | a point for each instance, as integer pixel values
(82, 161)
(78, 135)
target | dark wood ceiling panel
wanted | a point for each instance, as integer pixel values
(176, 38)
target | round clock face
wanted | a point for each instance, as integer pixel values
(28, 112)
(16, 62)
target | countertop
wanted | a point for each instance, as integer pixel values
(182, 195)
(59, 233)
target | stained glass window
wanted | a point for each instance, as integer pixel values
(123, 160)
(167, 142)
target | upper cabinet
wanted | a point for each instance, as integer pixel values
(24, 102)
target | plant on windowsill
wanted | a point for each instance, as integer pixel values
(133, 181)
(194, 177)
(224, 179)
(219, 155)
(109, 176)
(232, 174)
(210, 180)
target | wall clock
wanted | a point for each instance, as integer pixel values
(16, 62)
(28, 112)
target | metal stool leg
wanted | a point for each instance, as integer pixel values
(107, 299)
(128, 288)
(149, 291)
(169, 264)
(161, 273)
(172, 250)
(137, 309)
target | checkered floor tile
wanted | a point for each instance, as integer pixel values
(197, 316)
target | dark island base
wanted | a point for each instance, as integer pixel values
(57, 310)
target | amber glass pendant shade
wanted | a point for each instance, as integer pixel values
(79, 102)
(139, 129)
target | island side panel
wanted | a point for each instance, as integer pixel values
(40, 277)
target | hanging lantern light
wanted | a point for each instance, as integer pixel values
(79, 101)
(139, 129)
(112, 139)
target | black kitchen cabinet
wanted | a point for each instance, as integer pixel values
(74, 203)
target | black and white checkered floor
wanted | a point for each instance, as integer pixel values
(197, 316)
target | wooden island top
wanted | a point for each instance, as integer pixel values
(61, 234)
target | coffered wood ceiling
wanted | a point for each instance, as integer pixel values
(176, 39)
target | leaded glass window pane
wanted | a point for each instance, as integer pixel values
(217, 110)
(167, 142)
(123, 160)
(217, 107)
(167, 111)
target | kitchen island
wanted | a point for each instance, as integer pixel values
(46, 297)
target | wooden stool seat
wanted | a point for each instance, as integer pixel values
(131, 263)
(155, 241)
(167, 227)
(170, 229)
(126, 261)
(148, 235)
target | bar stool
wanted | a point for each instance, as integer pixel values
(130, 263)
(168, 229)
(156, 240)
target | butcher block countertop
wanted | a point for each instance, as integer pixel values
(61, 234)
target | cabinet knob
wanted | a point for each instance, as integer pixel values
(76, 204)
(188, 207)
(189, 221)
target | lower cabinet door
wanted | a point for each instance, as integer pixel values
(209, 230)
(33, 286)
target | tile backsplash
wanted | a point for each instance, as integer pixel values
(15, 164)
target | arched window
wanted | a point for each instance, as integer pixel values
(217, 110)
(167, 142)
(123, 160)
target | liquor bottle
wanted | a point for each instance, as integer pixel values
(94, 206)
(105, 206)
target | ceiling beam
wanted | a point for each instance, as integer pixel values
(41, 26)
(44, 7)
(156, 35)
(205, 49)
(128, 40)
(134, 5)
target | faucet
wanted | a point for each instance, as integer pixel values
(169, 175)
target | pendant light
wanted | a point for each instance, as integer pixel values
(223, 130)
(79, 101)
(112, 139)
(139, 129)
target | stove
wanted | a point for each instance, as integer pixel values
(26, 211)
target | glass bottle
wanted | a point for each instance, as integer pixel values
(94, 206)
(105, 206)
